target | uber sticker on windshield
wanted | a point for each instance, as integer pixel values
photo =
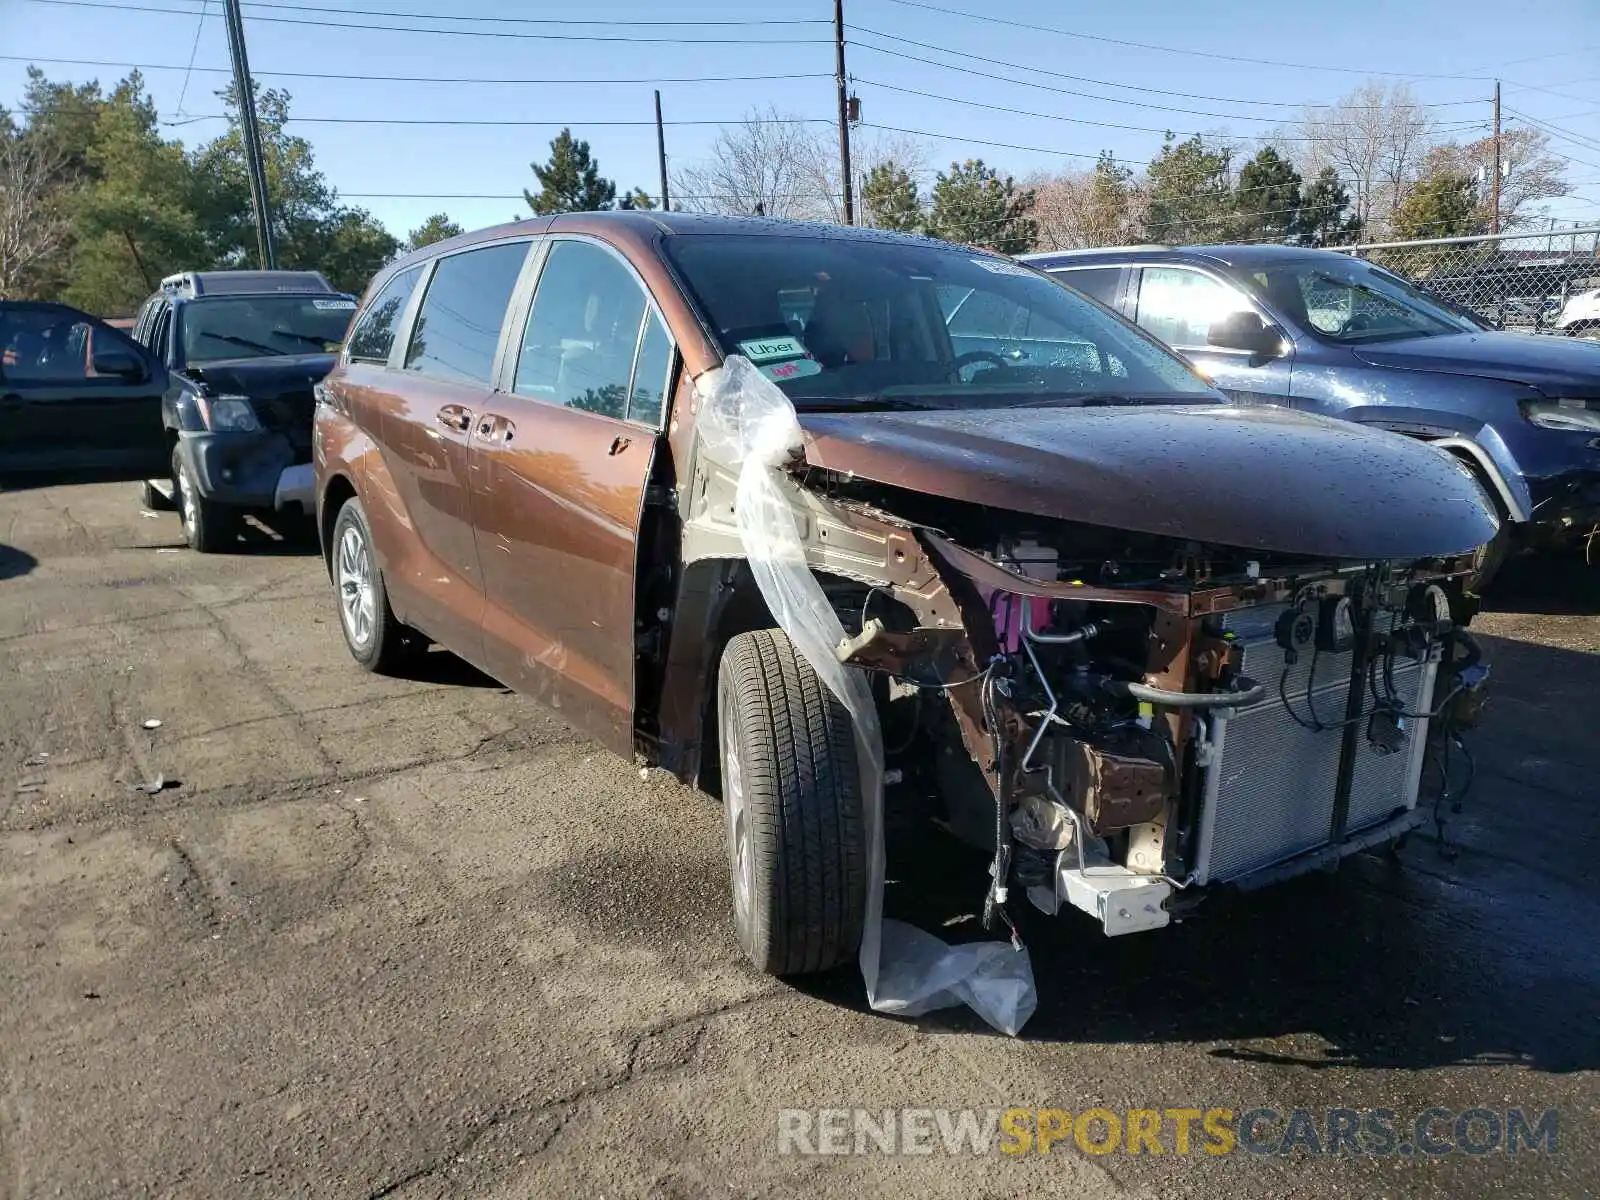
(795, 368)
(998, 266)
(760, 350)
(333, 303)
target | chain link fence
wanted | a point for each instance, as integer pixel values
(1522, 282)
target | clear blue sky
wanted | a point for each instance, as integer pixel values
(1548, 58)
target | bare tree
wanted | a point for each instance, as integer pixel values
(765, 164)
(1080, 209)
(32, 227)
(1530, 173)
(1375, 138)
(782, 166)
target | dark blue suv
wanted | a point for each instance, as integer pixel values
(1326, 333)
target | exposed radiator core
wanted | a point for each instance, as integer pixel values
(1271, 785)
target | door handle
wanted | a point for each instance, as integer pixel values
(455, 417)
(495, 428)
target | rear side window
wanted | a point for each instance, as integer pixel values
(374, 336)
(583, 336)
(459, 323)
(1100, 283)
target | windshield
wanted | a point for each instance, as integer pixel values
(846, 322)
(257, 326)
(1349, 301)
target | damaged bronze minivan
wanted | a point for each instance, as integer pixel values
(1129, 640)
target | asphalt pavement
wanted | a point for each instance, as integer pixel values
(323, 933)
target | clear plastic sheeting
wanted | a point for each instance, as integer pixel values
(748, 424)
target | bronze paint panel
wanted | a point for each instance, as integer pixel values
(557, 512)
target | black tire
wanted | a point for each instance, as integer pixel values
(208, 527)
(386, 643)
(792, 796)
(154, 499)
(1585, 329)
(1490, 557)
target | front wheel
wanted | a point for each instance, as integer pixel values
(791, 792)
(375, 638)
(208, 527)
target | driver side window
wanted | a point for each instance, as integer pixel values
(1179, 306)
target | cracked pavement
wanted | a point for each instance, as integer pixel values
(414, 938)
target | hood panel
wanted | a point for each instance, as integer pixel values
(265, 377)
(1255, 478)
(1554, 365)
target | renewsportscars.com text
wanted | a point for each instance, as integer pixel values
(1377, 1132)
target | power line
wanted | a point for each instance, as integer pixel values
(1577, 139)
(502, 122)
(1234, 58)
(474, 33)
(605, 21)
(365, 78)
(1022, 112)
(1037, 70)
(193, 50)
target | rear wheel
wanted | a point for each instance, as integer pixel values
(376, 639)
(791, 792)
(208, 527)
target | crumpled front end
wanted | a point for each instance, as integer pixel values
(1120, 718)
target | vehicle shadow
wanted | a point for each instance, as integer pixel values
(438, 665)
(291, 534)
(1482, 955)
(14, 562)
(28, 481)
(1560, 583)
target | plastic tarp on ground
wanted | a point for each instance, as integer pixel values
(747, 423)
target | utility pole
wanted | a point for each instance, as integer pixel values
(661, 155)
(250, 133)
(844, 113)
(1494, 188)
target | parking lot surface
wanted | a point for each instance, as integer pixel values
(323, 933)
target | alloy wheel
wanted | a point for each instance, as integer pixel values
(357, 600)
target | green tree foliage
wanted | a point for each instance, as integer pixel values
(637, 199)
(889, 198)
(123, 190)
(1325, 218)
(1190, 199)
(435, 229)
(1442, 205)
(1268, 198)
(972, 204)
(570, 181)
(136, 206)
(313, 231)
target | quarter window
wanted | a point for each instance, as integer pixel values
(458, 325)
(582, 337)
(1180, 306)
(374, 337)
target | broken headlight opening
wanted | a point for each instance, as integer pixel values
(1145, 726)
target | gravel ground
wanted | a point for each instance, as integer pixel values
(414, 938)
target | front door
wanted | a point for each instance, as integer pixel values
(560, 462)
(1180, 304)
(61, 409)
(429, 408)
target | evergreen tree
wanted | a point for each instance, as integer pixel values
(570, 181)
(638, 199)
(1325, 218)
(435, 229)
(1442, 205)
(974, 206)
(1190, 199)
(1268, 198)
(889, 198)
